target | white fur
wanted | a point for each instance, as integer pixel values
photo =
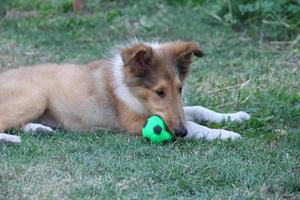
(197, 131)
(33, 127)
(122, 91)
(154, 44)
(199, 113)
(10, 138)
(237, 117)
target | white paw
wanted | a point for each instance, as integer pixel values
(33, 127)
(7, 138)
(238, 116)
(225, 135)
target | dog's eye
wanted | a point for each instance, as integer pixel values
(161, 93)
(180, 90)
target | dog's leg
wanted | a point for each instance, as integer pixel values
(17, 109)
(6, 138)
(37, 128)
(199, 113)
(30, 127)
(19, 106)
(197, 131)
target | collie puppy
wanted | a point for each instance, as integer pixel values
(139, 80)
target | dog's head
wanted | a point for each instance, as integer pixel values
(155, 73)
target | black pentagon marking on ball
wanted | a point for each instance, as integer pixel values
(157, 129)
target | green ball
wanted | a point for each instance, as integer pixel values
(155, 130)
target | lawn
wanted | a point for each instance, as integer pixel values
(241, 71)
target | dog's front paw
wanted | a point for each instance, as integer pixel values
(238, 117)
(225, 135)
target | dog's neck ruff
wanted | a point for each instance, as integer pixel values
(122, 91)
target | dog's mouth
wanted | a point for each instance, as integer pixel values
(179, 131)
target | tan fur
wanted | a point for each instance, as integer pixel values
(81, 97)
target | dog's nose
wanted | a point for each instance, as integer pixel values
(181, 132)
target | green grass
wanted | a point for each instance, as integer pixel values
(239, 72)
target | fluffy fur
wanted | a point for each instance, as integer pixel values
(140, 80)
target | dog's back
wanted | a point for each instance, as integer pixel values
(70, 94)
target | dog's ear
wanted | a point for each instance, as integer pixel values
(138, 58)
(184, 50)
(182, 54)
